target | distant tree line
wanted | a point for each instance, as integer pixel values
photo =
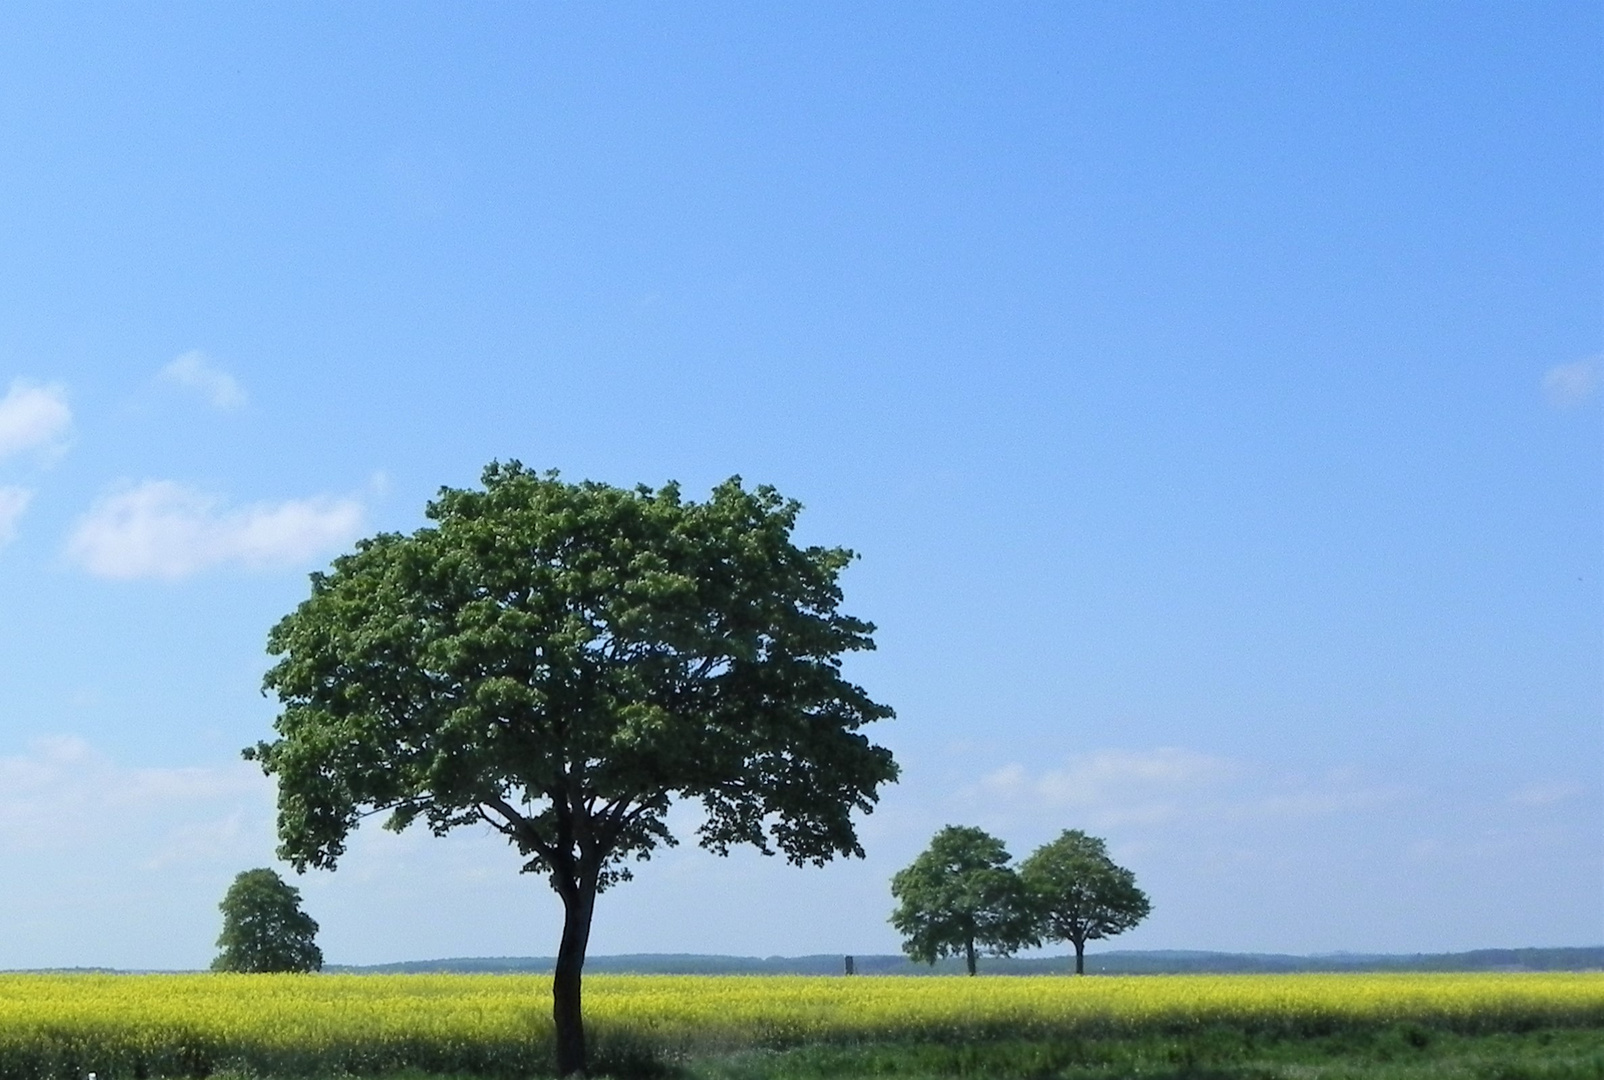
(961, 897)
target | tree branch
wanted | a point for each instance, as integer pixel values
(517, 827)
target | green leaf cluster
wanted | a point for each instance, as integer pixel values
(961, 897)
(1079, 894)
(264, 928)
(560, 660)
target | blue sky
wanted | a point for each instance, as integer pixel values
(1212, 393)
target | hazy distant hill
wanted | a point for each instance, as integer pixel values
(1109, 963)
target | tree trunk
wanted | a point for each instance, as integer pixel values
(1080, 957)
(969, 954)
(579, 903)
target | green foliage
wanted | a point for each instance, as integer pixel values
(557, 660)
(560, 662)
(960, 897)
(1079, 894)
(264, 928)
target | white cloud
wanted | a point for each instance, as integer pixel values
(1112, 788)
(62, 792)
(195, 371)
(13, 501)
(1546, 794)
(207, 841)
(1302, 799)
(161, 529)
(1112, 776)
(1568, 385)
(33, 417)
(122, 864)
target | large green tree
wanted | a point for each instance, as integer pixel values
(559, 662)
(960, 897)
(1079, 894)
(264, 928)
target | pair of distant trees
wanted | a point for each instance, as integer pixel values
(961, 897)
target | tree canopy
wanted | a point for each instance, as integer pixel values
(1079, 894)
(960, 897)
(264, 928)
(559, 662)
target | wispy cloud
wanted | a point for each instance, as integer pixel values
(33, 417)
(1132, 779)
(61, 791)
(13, 501)
(1568, 385)
(1113, 788)
(161, 529)
(194, 370)
(1546, 794)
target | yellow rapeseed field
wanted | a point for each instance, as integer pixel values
(155, 1025)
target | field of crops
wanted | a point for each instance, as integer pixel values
(65, 1026)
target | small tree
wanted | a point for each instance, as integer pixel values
(560, 662)
(1079, 894)
(960, 897)
(264, 928)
